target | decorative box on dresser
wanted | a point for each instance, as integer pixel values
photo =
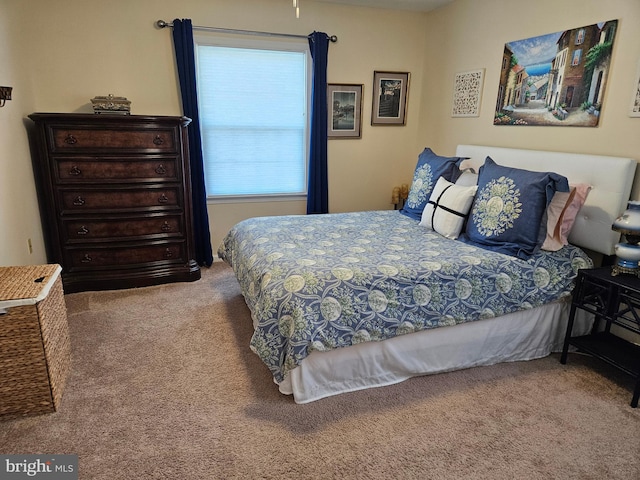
(116, 199)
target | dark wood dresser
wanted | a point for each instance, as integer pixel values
(115, 199)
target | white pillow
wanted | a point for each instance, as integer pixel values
(467, 178)
(448, 208)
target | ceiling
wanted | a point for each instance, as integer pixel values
(414, 5)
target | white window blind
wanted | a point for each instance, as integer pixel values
(253, 106)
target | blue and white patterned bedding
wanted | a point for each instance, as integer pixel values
(320, 282)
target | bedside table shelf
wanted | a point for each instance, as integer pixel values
(614, 300)
(611, 349)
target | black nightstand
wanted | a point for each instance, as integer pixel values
(614, 300)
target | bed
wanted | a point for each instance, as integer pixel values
(348, 301)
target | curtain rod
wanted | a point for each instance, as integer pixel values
(163, 24)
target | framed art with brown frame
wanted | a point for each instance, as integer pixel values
(345, 107)
(390, 92)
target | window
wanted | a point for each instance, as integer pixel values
(253, 99)
(577, 54)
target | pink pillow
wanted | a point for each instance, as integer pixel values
(571, 212)
(561, 215)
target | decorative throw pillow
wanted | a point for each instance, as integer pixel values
(448, 208)
(429, 168)
(507, 212)
(555, 210)
(572, 210)
(562, 213)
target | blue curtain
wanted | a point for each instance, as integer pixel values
(318, 189)
(185, 58)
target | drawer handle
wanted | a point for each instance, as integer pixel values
(79, 201)
(161, 170)
(75, 171)
(86, 259)
(165, 227)
(168, 253)
(158, 140)
(83, 230)
(163, 198)
(70, 140)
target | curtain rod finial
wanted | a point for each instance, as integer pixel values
(162, 24)
(333, 38)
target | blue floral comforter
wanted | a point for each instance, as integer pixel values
(320, 282)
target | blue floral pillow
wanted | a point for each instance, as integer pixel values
(429, 168)
(509, 207)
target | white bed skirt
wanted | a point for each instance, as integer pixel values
(524, 335)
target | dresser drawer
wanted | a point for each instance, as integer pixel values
(96, 200)
(87, 169)
(122, 228)
(146, 140)
(131, 256)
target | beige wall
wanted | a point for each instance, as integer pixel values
(468, 35)
(59, 54)
(77, 49)
(19, 215)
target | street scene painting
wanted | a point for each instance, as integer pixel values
(556, 79)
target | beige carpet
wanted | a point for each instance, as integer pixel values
(164, 386)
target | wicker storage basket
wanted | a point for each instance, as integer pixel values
(34, 340)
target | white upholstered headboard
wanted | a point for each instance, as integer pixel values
(611, 179)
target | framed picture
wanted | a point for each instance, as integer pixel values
(467, 93)
(635, 103)
(558, 79)
(345, 110)
(390, 91)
